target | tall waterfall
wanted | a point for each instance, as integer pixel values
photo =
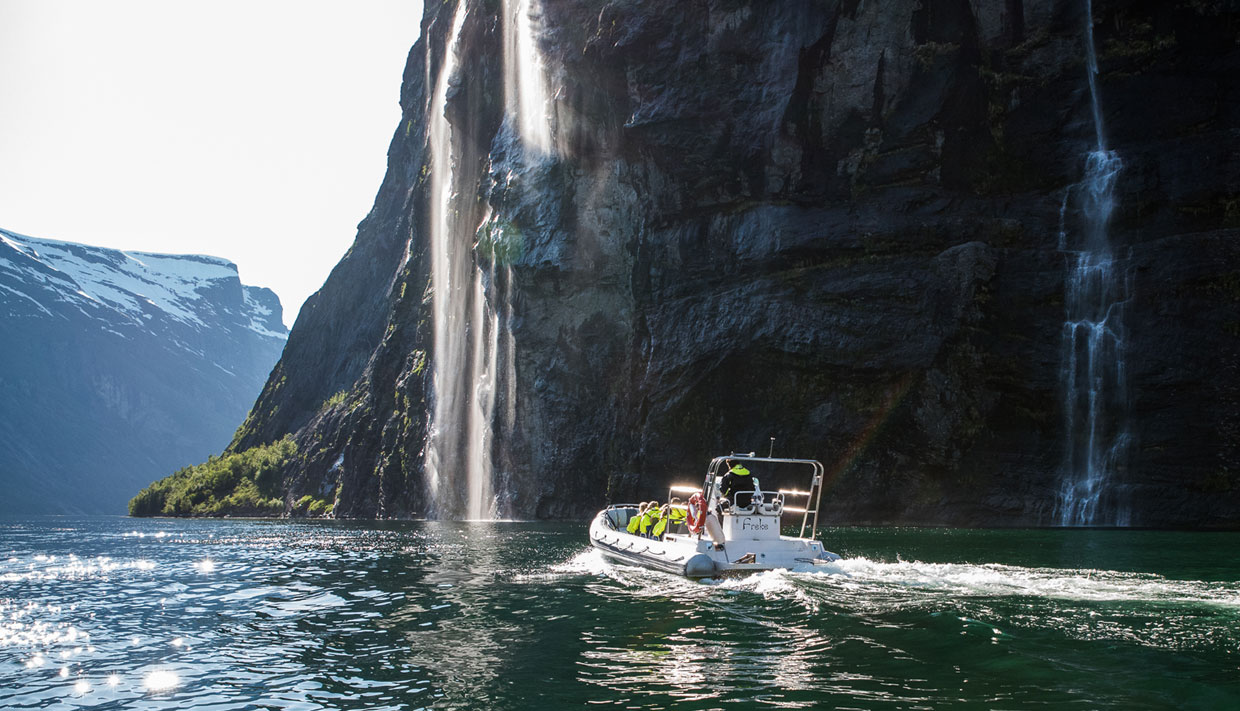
(471, 292)
(1096, 291)
(464, 332)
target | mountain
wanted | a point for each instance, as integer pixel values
(981, 257)
(118, 367)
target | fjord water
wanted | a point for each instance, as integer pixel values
(118, 613)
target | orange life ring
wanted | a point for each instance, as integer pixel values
(697, 512)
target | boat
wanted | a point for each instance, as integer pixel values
(721, 538)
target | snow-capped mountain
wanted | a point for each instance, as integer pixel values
(117, 368)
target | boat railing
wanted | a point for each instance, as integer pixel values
(812, 497)
(762, 503)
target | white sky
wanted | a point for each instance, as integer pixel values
(253, 130)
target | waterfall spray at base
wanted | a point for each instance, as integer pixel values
(1093, 375)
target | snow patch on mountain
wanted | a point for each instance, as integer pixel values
(262, 316)
(139, 286)
(118, 367)
(27, 297)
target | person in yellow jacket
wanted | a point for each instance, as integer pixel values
(649, 519)
(636, 519)
(660, 524)
(658, 520)
(678, 515)
(673, 516)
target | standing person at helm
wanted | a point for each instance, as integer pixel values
(738, 485)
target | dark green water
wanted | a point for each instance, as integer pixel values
(118, 613)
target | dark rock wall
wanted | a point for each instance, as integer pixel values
(833, 223)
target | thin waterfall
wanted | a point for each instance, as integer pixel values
(464, 361)
(1091, 71)
(525, 79)
(510, 356)
(1093, 368)
(480, 504)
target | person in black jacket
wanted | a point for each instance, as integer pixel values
(738, 485)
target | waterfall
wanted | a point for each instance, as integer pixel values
(459, 436)
(481, 500)
(1095, 294)
(525, 85)
(472, 326)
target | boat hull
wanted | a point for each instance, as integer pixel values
(696, 557)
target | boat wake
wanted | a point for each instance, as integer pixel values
(588, 562)
(996, 580)
(877, 581)
(591, 562)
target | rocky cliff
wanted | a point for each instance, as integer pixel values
(118, 367)
(837, 223)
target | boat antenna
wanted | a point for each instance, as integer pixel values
(771, 454)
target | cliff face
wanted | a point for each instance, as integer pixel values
(118, 367)
(839, 224)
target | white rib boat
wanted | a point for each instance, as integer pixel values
(717, 539)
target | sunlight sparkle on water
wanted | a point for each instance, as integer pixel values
(425, 614)
(160, 680)
(206, 565)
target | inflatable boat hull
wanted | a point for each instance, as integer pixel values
(697, 557)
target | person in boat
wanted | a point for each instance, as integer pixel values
(679, 515)
(738, 486)
(652, 519)
(674, 516)
(636, 519)
(644, 520)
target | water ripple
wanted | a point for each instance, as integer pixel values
(114, 613)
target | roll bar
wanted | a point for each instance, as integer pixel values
(813, 497)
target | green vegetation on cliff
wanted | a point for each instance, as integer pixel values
(243, 483)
